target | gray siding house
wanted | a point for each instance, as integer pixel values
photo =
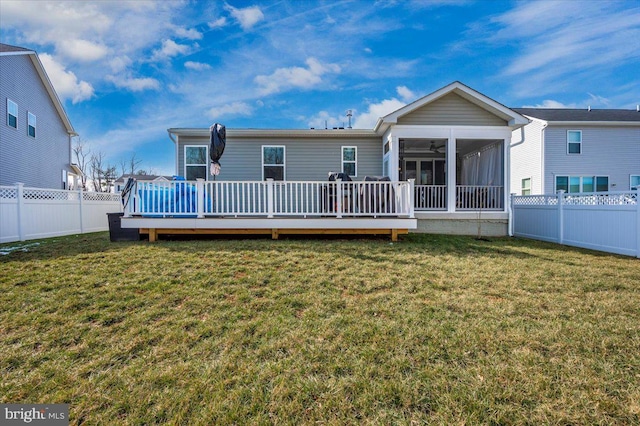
(452, 145)
(35, 133)
(576, 150)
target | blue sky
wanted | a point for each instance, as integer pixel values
(128, 70)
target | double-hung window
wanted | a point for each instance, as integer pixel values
(350, 160)
(634, 182)
(574, 141)
(273, 162)
(31, 124)
(575, 184)
(12, 114)
(195, 161)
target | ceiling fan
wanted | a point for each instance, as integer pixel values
(435, 149)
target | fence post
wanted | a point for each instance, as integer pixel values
(200, 197)
(560, 196)
(339, 198)
(80, 202)
(638, 223)
(412, 197)
(270, 198)
(20, 205)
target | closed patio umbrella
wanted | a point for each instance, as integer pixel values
(218, 141)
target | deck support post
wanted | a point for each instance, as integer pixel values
(153, 235)
(274, 234)
(394, 235)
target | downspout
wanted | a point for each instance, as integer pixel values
(177, 149)
(542, 143)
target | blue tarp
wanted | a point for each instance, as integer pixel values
(178, 199)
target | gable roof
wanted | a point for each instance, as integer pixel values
(513, 118)
(8, 50)
(581, 115)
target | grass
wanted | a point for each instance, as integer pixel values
(434, 329)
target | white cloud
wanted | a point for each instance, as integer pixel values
(65, 82)
(558, 41)
(295, 77)
(368, 119)
(119, 63)
(169, 49)
(218, 23)
(234, 108)
(550, 103)
(81, 50)
(198, 66)
(246, 17)
(134, 84)
(406, 94)
(191, 33)
(323, 118)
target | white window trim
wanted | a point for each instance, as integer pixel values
(522, 188)
(9, 101)
(580, 143)
(284, 160)
(595, 181)
(343, 161)
(35, 127)
(206, 165)
(631, 179)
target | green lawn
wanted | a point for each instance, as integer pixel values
(433, 329)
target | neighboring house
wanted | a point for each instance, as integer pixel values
(35, 135)
(576, 150)
(122, 180)
(454, 142)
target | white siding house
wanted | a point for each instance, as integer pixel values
(576, 150)
(35, 131)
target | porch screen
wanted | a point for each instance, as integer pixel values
(484, 167)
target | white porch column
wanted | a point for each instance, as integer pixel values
(394, 163)
(506, 168)
(451, 172)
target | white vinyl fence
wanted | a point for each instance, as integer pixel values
(605, 221)
(31, 213)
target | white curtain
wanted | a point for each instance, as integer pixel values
(483, 167)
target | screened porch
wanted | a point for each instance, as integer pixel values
(479, 174)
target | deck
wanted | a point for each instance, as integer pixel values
(272, 208)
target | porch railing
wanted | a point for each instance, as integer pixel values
(270, 198)
(479, 197)
(468, 197)
(431, 197)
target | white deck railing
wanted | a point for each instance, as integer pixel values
(270, 199)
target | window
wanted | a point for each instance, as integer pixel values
(387, 147)
(273, 162)
(12, 114)
(31, 125)
(526, 186)
(65, 177)
(634, 182)
(195, 162)
(574, 184)
(574, 141)
(349, 160)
